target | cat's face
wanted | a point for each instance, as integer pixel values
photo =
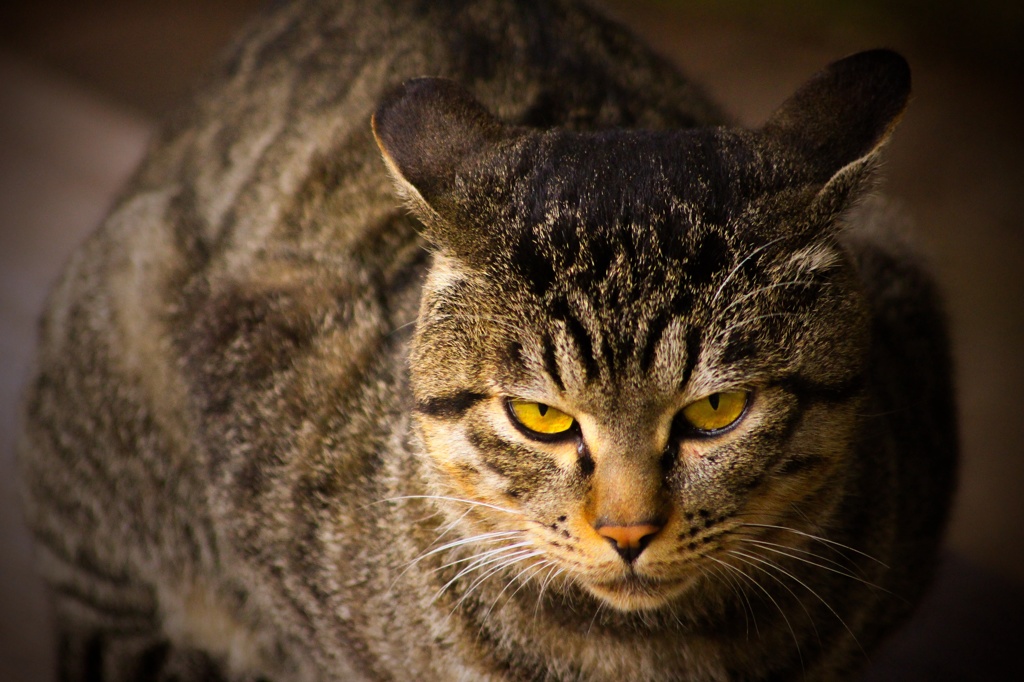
(634, 423)
(637, 353)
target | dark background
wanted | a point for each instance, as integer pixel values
(82, 84)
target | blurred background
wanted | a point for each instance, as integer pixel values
(83, 84)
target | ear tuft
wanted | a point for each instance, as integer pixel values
(845, 113)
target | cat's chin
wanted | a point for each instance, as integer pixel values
(633, 593)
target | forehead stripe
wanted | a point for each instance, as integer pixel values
(654, 331)
(582, 340)
(693, 347)
(551, 362)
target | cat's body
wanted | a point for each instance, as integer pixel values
(232, 471)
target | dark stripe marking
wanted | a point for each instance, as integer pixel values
(808, 391)
(741, 347)
(532, 265)
(796, 465)
(449, 406)
(790, 426)
(654, 331)
(140, 618)
(511, 461)
(583, 344)
(585, 461)
(693, 348)
(625, 349)
(92, 664)
(81, 560)
(551, 363)
(709, 259)
(154, 660)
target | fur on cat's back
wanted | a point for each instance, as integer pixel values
(261, 383)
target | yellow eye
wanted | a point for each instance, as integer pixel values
(539, 418)
(716, 411)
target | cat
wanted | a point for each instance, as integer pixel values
(471, 341)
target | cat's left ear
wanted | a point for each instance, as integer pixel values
(837, 122)
(437, 141)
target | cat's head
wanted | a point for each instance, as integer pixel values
(636, 347)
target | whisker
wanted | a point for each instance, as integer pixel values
(758, 585)
(448, 499)
(539, 566)
(739, 265)
(843, 563)
(754, 558)
(738, 590)
(751, 320)
(402, 326)
(853, 565)
(768, 287)
(452, 524)
(807, 587)
(781, 549)
(543, 563)
(482, 555)
(597, 612)
(504, 562)
(544, 585)
(483, 538)
(478, 561)
(819, 539)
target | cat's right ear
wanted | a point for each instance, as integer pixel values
(435, 138)
(836, 123)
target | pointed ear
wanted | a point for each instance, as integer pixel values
(435, 139)
(838, 121)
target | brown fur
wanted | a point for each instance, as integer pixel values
(267, 436)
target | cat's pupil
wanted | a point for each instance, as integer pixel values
(713, 401)
(543, 409)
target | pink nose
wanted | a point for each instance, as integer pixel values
(629, 541)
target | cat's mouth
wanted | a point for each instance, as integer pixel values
(634, 592)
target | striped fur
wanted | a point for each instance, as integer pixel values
(267, 436)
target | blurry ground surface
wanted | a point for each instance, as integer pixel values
(82, 84)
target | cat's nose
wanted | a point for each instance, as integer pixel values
(629, 541)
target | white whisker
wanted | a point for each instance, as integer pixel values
(758, 585)
(482, 555)
(739, 265)
(818, 538)
(483, 539)
(765, 562)
(452, 524)
(486, 561)
(402, 326)
(450, 499)
(768, 287)
(738, 590)
(772, 564)
(552, 573)
(751, 320)
(781, 549)
(504, 562)
(516, 578)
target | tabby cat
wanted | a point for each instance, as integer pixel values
(450, 340)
